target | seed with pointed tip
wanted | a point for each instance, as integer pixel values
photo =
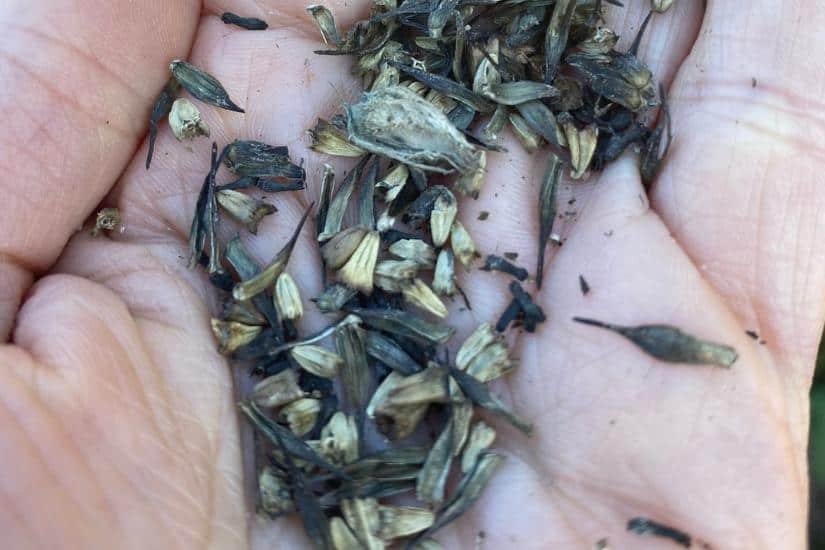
(668, 343)
(392, 275)
(202, 85)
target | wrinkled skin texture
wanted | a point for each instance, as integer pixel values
(117, 420)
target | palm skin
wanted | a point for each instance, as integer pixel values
(117, 420)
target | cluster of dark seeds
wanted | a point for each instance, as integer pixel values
(372, 406)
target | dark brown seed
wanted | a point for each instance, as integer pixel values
(497, 263)
(645, 526)
(668, 343)
(202, 85)
(163, 104)
(547, 210)
(541, 119)
(248, 23)
(509, 315)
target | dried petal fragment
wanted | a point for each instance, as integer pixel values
(232, 335)
(668, 343)
(402, 521)
(202, 85)
(338, 249)
(391, 275)
(260, 282)
(278, 390)
(462, 244)
(300, 415)
(432, 479)
(468, 490)
(415, 250)
(247, 210)
(362, 516)
(331, 140)
(185, 120)
(444, 276)
(661, 6)
(317, 360)
(442, 216)
(276, 499)
(481, 337)
(339, 439)
(359, 269)
(420, 295)
(288, 297)
(481, 437)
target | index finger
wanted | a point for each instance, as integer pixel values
(79, 80)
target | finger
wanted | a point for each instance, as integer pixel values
(147, 438)
(740, 189)
(81, 77)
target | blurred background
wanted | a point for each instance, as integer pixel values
(816, 453)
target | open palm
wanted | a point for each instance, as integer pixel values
(117, 420)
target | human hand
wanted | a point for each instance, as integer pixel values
(117, 417)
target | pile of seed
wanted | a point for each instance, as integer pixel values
(373, 407)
